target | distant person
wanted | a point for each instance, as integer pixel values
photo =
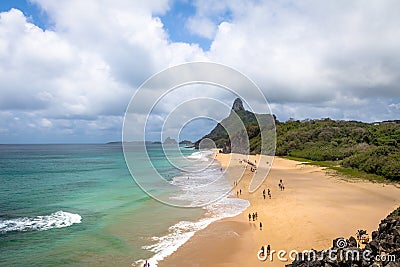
(262, 250)
(268, 249)
(260, 226)
(240, 191)
(264, 193)
(256, 215)
(249, 217)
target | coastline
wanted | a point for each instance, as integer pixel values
(314, 209)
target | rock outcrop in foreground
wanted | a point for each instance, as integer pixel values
(383, 250)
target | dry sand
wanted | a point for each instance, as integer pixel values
(314, 209)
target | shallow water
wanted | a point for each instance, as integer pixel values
(77, 205)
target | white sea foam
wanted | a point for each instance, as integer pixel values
(57, 219)
(203, 155)
(181, 232)
(200, 188)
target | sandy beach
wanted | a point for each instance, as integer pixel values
(314, 208)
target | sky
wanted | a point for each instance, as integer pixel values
(68, 68)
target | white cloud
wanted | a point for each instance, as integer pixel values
(87, 67)
(316, 52)
(46, 123)
(203, 27)
(310, 58)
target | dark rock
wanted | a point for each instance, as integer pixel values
(374, 235)
(237, 105)
(385, 241)
(170, 141)
(382, 227)
(374, 246)
(352, 242)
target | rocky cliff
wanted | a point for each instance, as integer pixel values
(244, 132)
(383, 250)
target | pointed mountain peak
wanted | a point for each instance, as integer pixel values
(237, 105)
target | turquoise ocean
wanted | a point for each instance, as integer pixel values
(77, 205)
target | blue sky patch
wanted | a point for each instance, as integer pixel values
(32, 11)
(175, 24)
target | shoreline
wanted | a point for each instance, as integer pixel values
(314, 209)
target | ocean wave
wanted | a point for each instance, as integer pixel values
(57, 219)
(181, 232)
(203, 155)
(198, 188)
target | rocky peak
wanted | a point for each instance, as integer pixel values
(237, 105)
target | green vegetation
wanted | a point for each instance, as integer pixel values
(343, 171)
(346, 146)
(364, 150)
(245, 132)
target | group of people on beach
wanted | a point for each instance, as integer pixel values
(269, 194)
(281, 186)
(146, 264)
(263, 250)
(253, 167)
(238, 192)
(254, 217)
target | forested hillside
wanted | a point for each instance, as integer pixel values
(373, 148)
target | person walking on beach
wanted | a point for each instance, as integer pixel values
(269, 193)
(240, 191)
(268, 249)
(249, 217)
(264, 193)
(256, 215)
(260, 226)
(262, 250)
